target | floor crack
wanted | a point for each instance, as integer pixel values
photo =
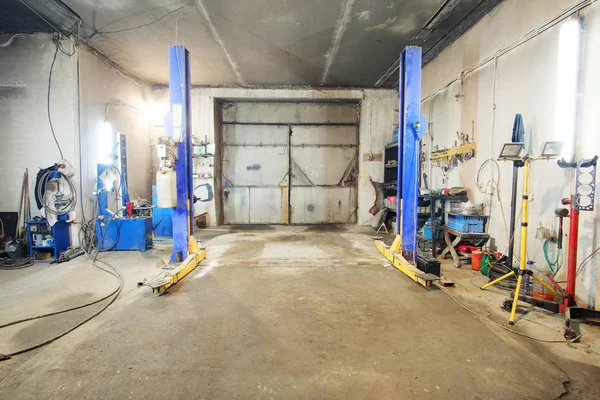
(566, 385)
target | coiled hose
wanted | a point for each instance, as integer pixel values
(51, 208)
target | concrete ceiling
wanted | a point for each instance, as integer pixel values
(15, 17)
(270, 42)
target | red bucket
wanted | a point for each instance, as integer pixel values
(476, 256)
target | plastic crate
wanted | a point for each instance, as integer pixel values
(427, 232)
(466, 224)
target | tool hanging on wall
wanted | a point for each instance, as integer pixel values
(24, 207)
(462, 151)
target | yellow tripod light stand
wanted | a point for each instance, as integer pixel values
(522, 270)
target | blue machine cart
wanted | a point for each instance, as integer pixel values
(48, 239)
(122, 234)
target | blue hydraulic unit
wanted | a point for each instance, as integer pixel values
(403, 253)
(128, 228)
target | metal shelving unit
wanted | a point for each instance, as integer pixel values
(390, 177)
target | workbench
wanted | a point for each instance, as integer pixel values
(433, 213)
(477, 239)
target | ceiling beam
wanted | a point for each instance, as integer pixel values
(430, 51)
(450, 4)
(341, 25)
(202, 7)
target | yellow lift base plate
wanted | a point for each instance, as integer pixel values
(403, 265)
(172, 275)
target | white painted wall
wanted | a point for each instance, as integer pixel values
(377, 121)
(108, 96)
(524, 80)
(135, 111)
(25, 136)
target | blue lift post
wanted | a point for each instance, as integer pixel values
(186, 252)
(403, 252)
(180, 92)
(410, 136)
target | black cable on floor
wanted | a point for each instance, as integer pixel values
(115, 294)
(488, 319)
(67, 309)
(17, 263)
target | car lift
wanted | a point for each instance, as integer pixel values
(403, 252)
(186, 251)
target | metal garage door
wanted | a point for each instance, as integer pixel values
(266, 143)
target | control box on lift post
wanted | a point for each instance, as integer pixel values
(166, 177)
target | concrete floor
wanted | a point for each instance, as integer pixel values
(280, 313)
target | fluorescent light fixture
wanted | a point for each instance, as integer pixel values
(552, 149)
(566, 85)
(512, 150)
(156, 112)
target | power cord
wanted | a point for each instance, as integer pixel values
(487, 319)
(100, 31)
(58, 47)
(89, 239)
(112, 296)
(494, 289)
(20, 321)
(17, 263)
(56, 40)
(115, 294)
(585, 260)
(493, 185)
(48, 100)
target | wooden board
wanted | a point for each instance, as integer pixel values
(373, 157)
